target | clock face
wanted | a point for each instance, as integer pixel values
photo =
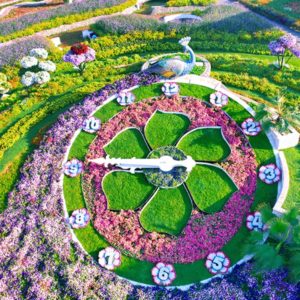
(175, 216)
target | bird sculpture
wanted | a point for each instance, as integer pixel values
(170, 68)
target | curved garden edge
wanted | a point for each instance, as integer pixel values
(183, 79)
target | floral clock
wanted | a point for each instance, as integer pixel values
(169, 182)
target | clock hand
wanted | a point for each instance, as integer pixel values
(165, 163)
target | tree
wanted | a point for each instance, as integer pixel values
(280, 117)
(279, 246)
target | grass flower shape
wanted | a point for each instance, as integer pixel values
(167, 198)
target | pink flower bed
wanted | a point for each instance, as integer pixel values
(204, 233)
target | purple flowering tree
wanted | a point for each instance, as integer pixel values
(79, 55)
(284, 48)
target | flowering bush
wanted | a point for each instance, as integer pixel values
(79, 55)
(269, 174)
(35, 76)
(125, 98)
(254, 222)
(251, 127)
(48, 66)
(163, 274)
(199, 237)
(284, 48)
(91, 125)
(217, 263)
(109, 258)
(5, 86)
(218, 99)
(28, 62)
(39, 53)
(73, 167)
(79, 218)
(170, 88)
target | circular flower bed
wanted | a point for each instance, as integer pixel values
(204, 233)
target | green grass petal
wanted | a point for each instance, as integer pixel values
(205, 144)
(128, 144)
(210, 187)
(165, 129)
(125, 190)
(168, 211)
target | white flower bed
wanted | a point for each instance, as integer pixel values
(79, 218)
(42, 77)
(218, 99)
(170, 89)
(163, 274)
(217, 263)
(125, 98)
(254, 222)
(28, 78)
(73, 167)
(251, 127)
(109, 258)
(48, 66)
(91, 125)
(39, 53)
(28, 62)
(269, 174)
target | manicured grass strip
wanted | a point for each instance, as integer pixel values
(125, 190)
(194, 90)
(109, 110)
(293, 159)
(165, 129)
(80, 145)
(127, 144)
(147, 91)
(236, 111)
(210, 187)
(205, 144)
(168, 211)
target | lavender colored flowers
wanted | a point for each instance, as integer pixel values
(285, 48)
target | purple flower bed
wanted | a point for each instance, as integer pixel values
(14, 51)
(38, 259)
(10, 26)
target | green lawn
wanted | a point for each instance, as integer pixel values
(156, 216)
(205, 144)
(164, 129)
(293, 159)
(210, 187)
(127, 144)
(126, 191)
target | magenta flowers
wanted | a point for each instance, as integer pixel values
(284, 48)
(79, 57)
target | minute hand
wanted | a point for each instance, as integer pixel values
(165, 163)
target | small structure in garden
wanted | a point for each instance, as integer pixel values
(174, 67)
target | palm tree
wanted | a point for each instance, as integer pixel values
(282, 243)
(280, 117)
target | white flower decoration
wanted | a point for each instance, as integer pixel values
(163, 274)
(39, 53)
(125, 98)
(170, 88)
(218, 99)
(42, 77)
(109, 258)
(91, 125)
(254, 222)
(28, 78)
(79, 218)
(269, 173)
(28, 62)
(251, 127)
(73, 167)
(217, 263)
(48, 66)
